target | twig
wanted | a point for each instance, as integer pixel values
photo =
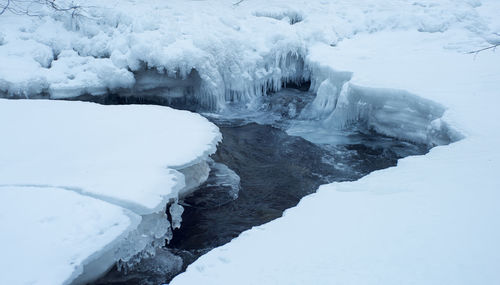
(483, 49)
(238, 3)
(22, 7)
(5, 7)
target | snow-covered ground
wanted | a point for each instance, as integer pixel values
(49, 233)
(210, 50)
(395, 66)
(433, 219)
(83, 185)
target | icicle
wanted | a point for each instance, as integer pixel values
(176, 211)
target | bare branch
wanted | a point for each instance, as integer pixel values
(25, 7)
(5, 7)
(483, 49)
(238, 3)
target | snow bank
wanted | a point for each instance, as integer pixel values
(123, 159)
(430, 220)
(208, 52)
(53, 233)
(370, 64)
(411, 224)
(114, 150)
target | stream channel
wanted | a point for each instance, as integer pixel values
(259, 171)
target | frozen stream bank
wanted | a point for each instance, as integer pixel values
(83, 186)
(431, 220)
(275, 171)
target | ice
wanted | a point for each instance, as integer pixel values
(238, 52)
(132, 160)
(430, 220)
(324, 103)
(160, 267)
(394, 67)
(225, 177)
(221, 187)
(114, 150)
(140, 244)
(176, 211)
(194, 175)
(393, 113)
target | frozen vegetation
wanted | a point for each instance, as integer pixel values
(398, 68)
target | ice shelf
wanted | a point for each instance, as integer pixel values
(117, 166)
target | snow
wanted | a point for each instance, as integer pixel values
(430, 220)
(48, 233)
(84, 185)
(410, 224)
(113, 150)
(73, 75)
(396, 67)
(212, 51)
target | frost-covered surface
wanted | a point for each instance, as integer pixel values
(84, 185)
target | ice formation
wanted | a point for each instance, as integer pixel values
(226, 178)
(209, 63)
(394, 113)
(175, 211)
(126, 162)
(430, 220)
(208, 55)
(221, 187)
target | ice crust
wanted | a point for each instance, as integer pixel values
(119, 163)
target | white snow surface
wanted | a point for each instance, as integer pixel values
(49, 233)
(122, 154)
(84, 185)
(396, 66)
(238, 51)
(433, 219)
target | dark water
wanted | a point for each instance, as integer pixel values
(276, 170)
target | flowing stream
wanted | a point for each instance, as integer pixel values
(259, 171)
